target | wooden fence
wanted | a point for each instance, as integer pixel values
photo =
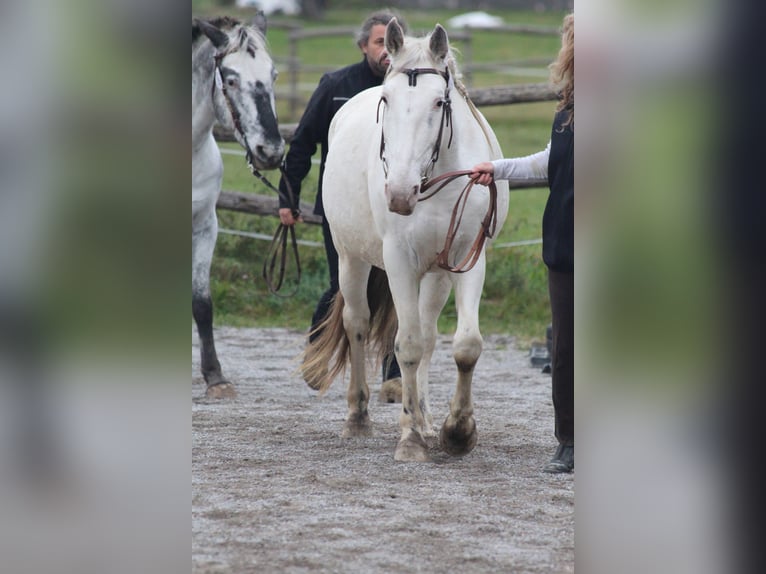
(464, 37)
(494, 96)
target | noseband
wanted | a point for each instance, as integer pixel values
(446, 120)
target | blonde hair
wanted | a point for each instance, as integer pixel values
(562, 70)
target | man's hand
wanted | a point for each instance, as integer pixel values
(286, 216)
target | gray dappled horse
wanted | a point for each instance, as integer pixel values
(233, 84)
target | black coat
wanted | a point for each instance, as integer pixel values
(334, 90)
(558, 218)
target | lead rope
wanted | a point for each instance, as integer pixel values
(488, 224)
(278, 248)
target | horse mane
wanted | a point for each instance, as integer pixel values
(254, 38)
(221, 22)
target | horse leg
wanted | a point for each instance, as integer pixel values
(409, 353)
(458, 435)
(353, 274)
(203, 245)
(434, 291)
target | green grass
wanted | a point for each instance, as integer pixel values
(515, 298)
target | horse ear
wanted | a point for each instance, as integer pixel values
(439, 43)
(259, 21)
(216, 36)
(394, 36)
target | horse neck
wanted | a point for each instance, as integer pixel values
(203, 110)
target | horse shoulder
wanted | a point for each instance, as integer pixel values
(359, 111)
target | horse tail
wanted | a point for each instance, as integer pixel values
(327, 356)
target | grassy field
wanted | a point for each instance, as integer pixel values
(515, 295)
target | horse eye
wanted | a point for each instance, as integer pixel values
(232, 82)
(439, 103)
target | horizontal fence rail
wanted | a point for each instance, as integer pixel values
(269, 205)
(494, 96)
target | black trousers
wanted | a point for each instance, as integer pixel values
(390, 366)
(561, 290)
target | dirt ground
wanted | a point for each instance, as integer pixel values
(275, 488)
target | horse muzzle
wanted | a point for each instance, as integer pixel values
(402, 201)
(267, 156)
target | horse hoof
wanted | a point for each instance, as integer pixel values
(357, 426)
(412, 449)
(458, 438)
(221, 391)
(391, 391)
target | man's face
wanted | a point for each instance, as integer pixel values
(375, 50)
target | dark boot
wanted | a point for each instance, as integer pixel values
(562, 461)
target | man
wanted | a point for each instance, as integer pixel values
(334, 90)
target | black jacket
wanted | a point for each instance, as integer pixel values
(334, 90)
(558, 218)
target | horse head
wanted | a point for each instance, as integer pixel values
(243, 92)
(417, 117)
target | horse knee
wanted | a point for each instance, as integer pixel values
(466, 351)
(408, 353)
(356, 327)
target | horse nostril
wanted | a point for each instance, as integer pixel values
(260, 152)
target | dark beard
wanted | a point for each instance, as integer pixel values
(378, 68)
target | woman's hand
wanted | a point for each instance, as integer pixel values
(482, 173)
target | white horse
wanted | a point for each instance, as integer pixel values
(232, 83)
(384, 144)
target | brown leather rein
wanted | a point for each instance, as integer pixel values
(488, 224)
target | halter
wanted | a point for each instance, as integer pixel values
(446, 105)
(278, 248)
(232, 110)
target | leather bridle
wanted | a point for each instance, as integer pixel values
(236, 118)
(446, 119)
(278, 249)
(489, 223)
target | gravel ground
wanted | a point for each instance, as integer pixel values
(275, 488)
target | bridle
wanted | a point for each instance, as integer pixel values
(236, 118)
(446, 120)
(278, 248)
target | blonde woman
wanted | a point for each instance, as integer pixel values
(556, 163)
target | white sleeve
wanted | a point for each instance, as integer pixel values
(533, 166)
